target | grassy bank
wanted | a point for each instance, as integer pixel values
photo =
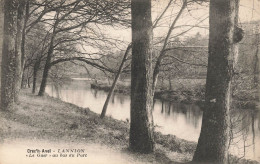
(45, 118)
(180, 95)
(188, 91)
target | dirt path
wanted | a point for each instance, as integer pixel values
(16, 152)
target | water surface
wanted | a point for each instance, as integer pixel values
(181, 120)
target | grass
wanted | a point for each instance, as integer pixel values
(46, 118)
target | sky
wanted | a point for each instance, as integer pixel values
(249, 10)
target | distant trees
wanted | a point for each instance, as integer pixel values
(186, 58)
(248, 67)
(165, 44)
(215, 131)
(141, 125)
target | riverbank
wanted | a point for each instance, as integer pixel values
(181, 96)
(190, 95)
(53, 121)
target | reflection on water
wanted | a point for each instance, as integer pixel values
(178, 119)
(169, 118)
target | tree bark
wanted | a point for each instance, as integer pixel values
(214, 137)
(22, 78)
(141, 126)
(1, 37)
(35, 71)
(46, 70)
(11, 58)
(170, 83)
(28, 82)
(257, 69)
(47, 65)
(23, 38)
(104, 110)
(19, 24)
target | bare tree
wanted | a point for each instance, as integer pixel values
(162, 52)
(80, 17)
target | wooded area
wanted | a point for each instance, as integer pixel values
(51, 42)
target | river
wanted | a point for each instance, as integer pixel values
(181, 120)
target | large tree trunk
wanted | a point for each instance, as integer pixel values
(141, 127)
(1, 36)
(19, 24)
(11, 58)
(214, 137)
